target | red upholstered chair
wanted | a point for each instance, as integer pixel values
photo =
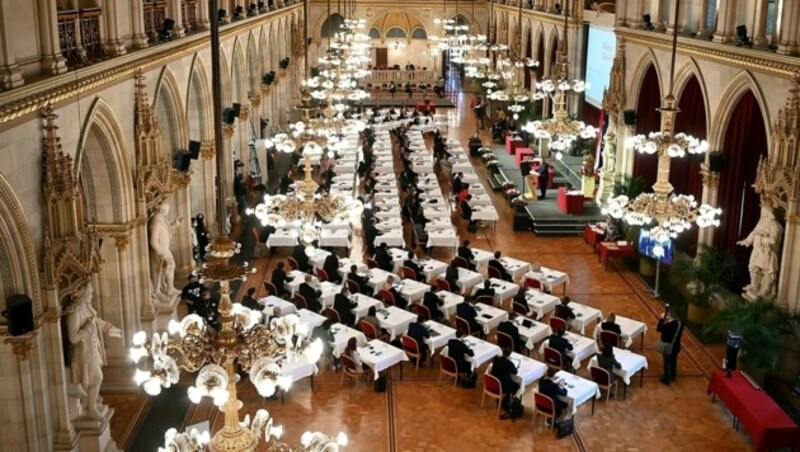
(494, 273)
(367, 329)
(353, 286)
(532, 283)
(371, 263)
(519, 308)
(463, 326)
(442, 284)
(609, 337)
(386, 297)
(349, 369)
(486, 299)
(447, 366)
(322, 275)
(504, 340)
(293, 265)
(332, 315)
(544, 406)
(461, 262)
(603, 379)
(422, 311)
(557, 324)
(411, 348)
(552, 358)
(271, 289)
(300, 301)
(492, 388)
(408, 273)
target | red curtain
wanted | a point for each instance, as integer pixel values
(685, 172)
(553, 54)
(745, 142)
(648, 119)
(591, 114)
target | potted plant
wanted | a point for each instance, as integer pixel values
(706, 278)
(763, 326)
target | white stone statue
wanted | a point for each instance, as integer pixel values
(85, 331)
(610, 149)
(763, 266)
(162, 263)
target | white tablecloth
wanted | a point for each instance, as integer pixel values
(489, 316)
(282, 237)
(336, 238)
(549, 278)
(515, 267)
(445, 238)
(450, 300)
(533, 334)
(579, 389)
(582, 348)
(485, 213)
(482, 351)
(377, 278)
(342, 334)
(502, 290)
(432, 268)
(297, 277)
(364, 303)
(584, 315)
(271, 302)
(630, 362)
(528, 369)
(298, 369)
(439, 335)
(312, 319)
(468, 279)
(630, 328)
(413, 290)
(395, 320)
(379, 356)
(540, 303)
(393, 237)
(482, 257)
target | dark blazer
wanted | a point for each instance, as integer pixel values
(451, 276)
(511, 329)
(484, 291)
(360, 280)
(279, 278)
(563, 346)
(399, 301)
(432, 302)
(609, 363)
(466, 211)
(467, 312)
(613, 327)
(551, 389)
(312, 297)
(503, 369)
(466, 253)
(299, 254)
(331, 267)
(668, 331)
(459, 352)
(250, 302)
(343, 306)
(419, 333)
(408, 263)
(494, 263)
(564, 312)
(384, 260)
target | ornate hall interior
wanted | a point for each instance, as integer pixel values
(163, 162)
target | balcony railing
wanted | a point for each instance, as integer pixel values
(189, 14)
(79, 36)
(154, 14)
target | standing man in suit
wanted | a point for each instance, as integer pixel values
(459, 351)
(671, 330)
(510, 328)
(505, 371)
(418, 332)
(299, 255)
(331, 267)
(311, 294)
(466, 253)
(467, 311)
(544, 179)
(496, 264)
(560, 343)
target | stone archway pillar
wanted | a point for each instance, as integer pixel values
(710, 196)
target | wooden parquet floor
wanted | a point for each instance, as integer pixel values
(419, 414)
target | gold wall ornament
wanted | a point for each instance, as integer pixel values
(244, 113)
(121, 241)
(207, 151)
(255, 100)
(22, 345)
(153, 171)
(710, 178)
(181, 179)
(228, 129)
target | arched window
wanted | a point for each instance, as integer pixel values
(374, 33)
(396, 33)
(419, 33)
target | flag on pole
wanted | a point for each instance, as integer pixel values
(601, 127)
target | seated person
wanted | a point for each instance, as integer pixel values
(486, 290)
(510, 328)
(520, 299)
(383, 258)
(279, 278)
(556, 392)
(399, 301)
(311, 294)
(418, 332)
(343, 305)
(351, 351)
(496, 264)
(466, 213)
(466, 253)
(458, 351)
(362, 282)
(451, 276)
(610, 324)
(462, 195)
(411, 264)
(372, 319)
(457, 183)
(431, 301)
(607, 361)
(467, 311)
(299, 255)
(274, 314)
(475, 144)
(249, 300)
(505, 371)
(563, 311)
(560, 343)
(331, 267)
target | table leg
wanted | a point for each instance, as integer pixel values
(624, 391)
(641, 379)
(641, 343)
(283, 393)
(593, 399)
(312, 382)
(565, 288)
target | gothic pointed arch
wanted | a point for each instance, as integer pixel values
(198, 102)
(227, 89)
(171, 116)
(253, 65)
(238, 73)
(331, 25)
(263, 51)
(648, 119)
(742, 83)
(646, 61)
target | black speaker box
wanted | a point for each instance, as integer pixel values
(194, 149)
(228, 116)
(19, 312)
(169, 23)
(181, 161)
(629, 117)
(237, 109)
(525, 167)
(716, 161)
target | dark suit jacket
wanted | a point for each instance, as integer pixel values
(399, 301)
(252, 303)
(609, 363)
(484, 291)
(551, 389)
(279, 278)
(360, 280)
(419, 333)
(503, 369)
(511, 329)
(467, 312)
(564, 312)
(563, 346)
(408, 263)
(432, 302)
(299, 254)
(311, 295)
(466, 210)
(459, 352)
(451, 276)
(384, 260)
(606, 326)
(343, 306)
(494, 263)
(331, 267)
(668, 331)
(466, 253)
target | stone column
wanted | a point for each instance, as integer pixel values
(176, 13)
(244, 132)
(725, 22)
(138, 36)
(636, 20)
(182, 235)
(10, 74)
(207, 155)
(113, 41)
(658, 16)
(228, 130)
(702, 20)
(710, 196)
(51, 62)
(203, 16)
(670, 21)
(789, 28)
(788, 283)
(760, 40)
(621, 16)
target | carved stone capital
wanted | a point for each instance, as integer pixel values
(244, 113)
(181, 179)
(22, 345)
(266, 89)
(121, 241)
(227, 130)
(710, 178)
(255, 100)
(207, 151)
